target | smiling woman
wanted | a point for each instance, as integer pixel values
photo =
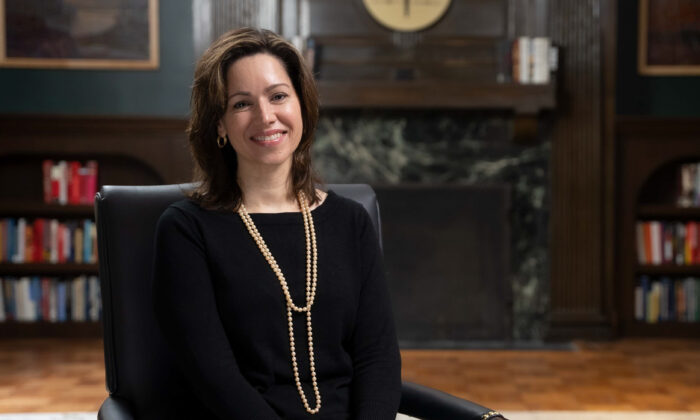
(269, 290)
(263, 119)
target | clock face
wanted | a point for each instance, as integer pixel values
(406, 15)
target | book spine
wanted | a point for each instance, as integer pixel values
(3, 316)
(540, 58)
(46, 168)
(641, 255)
(73, 182)
(63, 182)
(91, 186)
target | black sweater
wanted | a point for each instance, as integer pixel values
(222, 310)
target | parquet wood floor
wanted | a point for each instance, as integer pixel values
(68, 375)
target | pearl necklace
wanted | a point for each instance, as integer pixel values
(310, 291)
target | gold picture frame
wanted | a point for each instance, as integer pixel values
(668, 38)
(85, 34)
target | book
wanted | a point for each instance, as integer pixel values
(46, 168)
(653, 300)
(540, 60)
(656, 240)
(21, 236)
(641, 250)
(3, 317)
(74, 184)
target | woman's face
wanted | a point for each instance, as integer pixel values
(263, 118)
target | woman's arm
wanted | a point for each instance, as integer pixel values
(187, 313)
(376, 385)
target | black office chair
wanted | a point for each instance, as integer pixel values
(142, 379)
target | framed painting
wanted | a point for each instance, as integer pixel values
(669, 37)
(79, 34)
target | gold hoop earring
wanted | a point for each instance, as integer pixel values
(221, 141)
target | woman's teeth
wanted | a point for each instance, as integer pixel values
(268, 138)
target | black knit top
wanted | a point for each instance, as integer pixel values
(222, 310)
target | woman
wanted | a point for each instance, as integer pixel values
(269, 290)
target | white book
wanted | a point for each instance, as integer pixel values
(20, 254)
(53, 226)
(525, 59)
(78, 303)
(3, 317)
(63, 182)
(639, 303)
(656, 237)
(55, 177)
(540, 60)
(95, 298)
(24, 302)
(553, 58)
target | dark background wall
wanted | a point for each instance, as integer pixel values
(162, 92)
(648, 95)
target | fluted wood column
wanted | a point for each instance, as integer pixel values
(579, 293)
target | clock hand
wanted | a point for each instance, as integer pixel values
(406, 4)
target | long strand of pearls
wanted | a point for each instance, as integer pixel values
(311, 277)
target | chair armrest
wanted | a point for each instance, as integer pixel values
(430, 404)
(115, 408)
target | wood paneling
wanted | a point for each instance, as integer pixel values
(157, 146)
(578, 292)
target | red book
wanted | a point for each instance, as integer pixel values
(91, 181)
(647, 243)
(61, 243)
(696, 243)
(38, 240)
(45, 296)
(46, 173)
(29, 243)
(691, 237)
(73, 182)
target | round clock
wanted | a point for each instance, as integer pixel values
(406, 15)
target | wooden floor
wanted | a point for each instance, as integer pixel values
(68, 375)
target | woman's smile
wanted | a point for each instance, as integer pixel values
(270, 137)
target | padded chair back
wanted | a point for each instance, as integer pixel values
(137, 359)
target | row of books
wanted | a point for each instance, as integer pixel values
(667, 299)
(69, 182)
(690, 185)
(667, 242)
(53, 299)
(48, 240)
(527, 60)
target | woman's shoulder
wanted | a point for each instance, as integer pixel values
(183, 211)
(344, 207)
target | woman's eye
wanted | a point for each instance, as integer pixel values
(239, 105)
(279, 96)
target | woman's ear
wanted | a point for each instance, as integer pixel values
(221, 130)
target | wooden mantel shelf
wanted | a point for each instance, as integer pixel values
(522, 99)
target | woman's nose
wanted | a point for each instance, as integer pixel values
(266, 113)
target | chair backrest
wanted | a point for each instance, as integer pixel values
(137, 360)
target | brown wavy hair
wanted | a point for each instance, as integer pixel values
(215, 169)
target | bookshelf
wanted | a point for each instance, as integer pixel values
(651, 152)
(129, 151)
